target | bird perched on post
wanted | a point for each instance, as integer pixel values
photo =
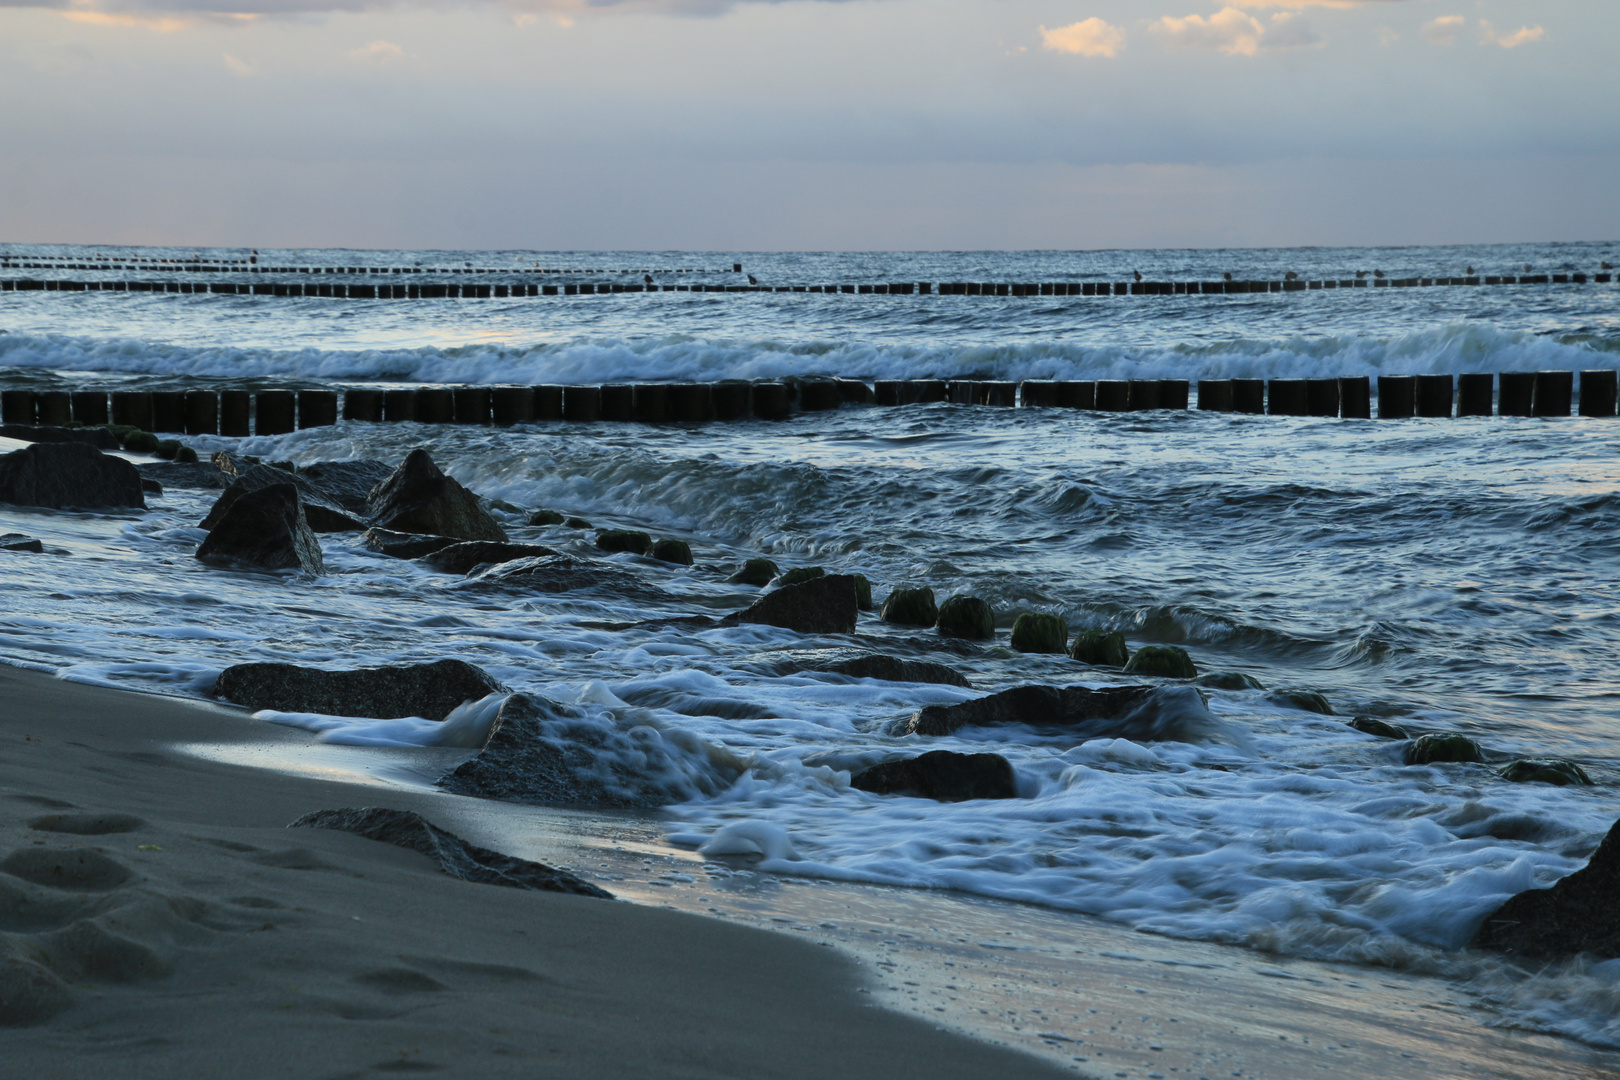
(1606, 266)
(1290, 276)
(1360, 274)
(647, 278)
(1137, 274)
(752, 280)
(1228, 275)
(1470, 271)
(1378, 273)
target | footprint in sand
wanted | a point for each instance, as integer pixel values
(87, 824)
(71, 869)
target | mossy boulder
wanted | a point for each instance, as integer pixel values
(634, 541)
(799, 575)
(910, 607)
(1170, 661)
(863, 592)
(1038, 632)
(756, 572)
(1442, 747)
(168, 449)
(1104, 648)
(546, 517)
(186, 456)
(141, 442)
(577, 523)
(1230, 680)
(1371, 725)
(1303, 700)
(673, 551)
(1545, 771)
(966, 617)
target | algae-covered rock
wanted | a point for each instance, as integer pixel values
(141, 442)
(634, 541)
(168, 449)
(757, 572)
(577, 523)
(1230, 680)
(1371, 725)
(863, 592)
(1431, 749)
(1545, 771)
(1104, 648)
(1303, 700)
(966, 617)
(673, 551)
(546, 517)
(799, 575)
(824, 605)
(1170, 661)
(1038, 632)
(910, 607)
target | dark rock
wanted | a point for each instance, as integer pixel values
(461, 558)
(942, 775)
(1429, 749)
(1037, 632)
(760, 572)
(863, 592)
(1102, 648)
(1576, 915)
(577, 523)
(1230, 680)
(673, 551)
(173, 474)
(323, 514)
(826, 605)
(967, 617)
(419, 498)
(1170, 661)
(150, 486)
(910, 607)
(141, 442)
(430, 691)
(563, 573)
(98, 437)
(59, 475)
(454, 856)
(540, 751)
(19, 542)
(405, 545)
(799, 575)
(546, 517)
(1371, 725)
(894, 669)
(348, 484)
(264, 530)
(169, 450)
(634, 541)
(1037, 706)
(1303, 700)
(1555, 771)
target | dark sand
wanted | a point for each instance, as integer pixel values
(202, 938)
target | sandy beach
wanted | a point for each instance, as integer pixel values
(188, 933)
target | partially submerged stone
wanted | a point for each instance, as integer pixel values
(1443, 747)
(825, 605)
(943, 775)
(634, 541)
(800, 574)
(673, 551)
(564, 573)
(1101, 648)
(1230, 680)
(966, 617)
(264, 529)
(322, 513)
(1556, 771)
(1039, 632)
(350, 483)
(757, 572)
(1303, 700)
(20, 543)
(863, 592)
(419, 498)
(1371, 725)
(430, 691)
(463, 557)
(69, 474)
(1170, 661)
(910, 607)
(546, 517)
(1036, 706)
(895, 669)
(1576, 915)
(401, 545)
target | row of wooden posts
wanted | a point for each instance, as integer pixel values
(244, 266)
(442, 290)
(277, 412)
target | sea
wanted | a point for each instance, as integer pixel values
(1443, 575)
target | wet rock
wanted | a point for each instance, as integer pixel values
(1230, 680)
(404, 545)
(1576, 915)
(454, 856)
(1037, 632)
(264, 530)
(825, 605)
(910, 607)
(1102, 648)
(577, 523)
(176, 451)
(863, 592)
(322, 513)
(349, 484)
(966, 617)
(463, 557)
(1430, 749)
(894, 669)
(1555, 771)
(759, 572)
(942, 775)
(98, 437)
(1037, 706)
(141, 442)
(191, 476)
(60, 475)
(150, 486)
(1303, 700)
(20, 543)
(430, 691)
(546, 517)
(673, 551)
(1371, 725)
(634, 541)
(563, 573)
(1170, 661)
(799, 575)
(418, 497)
(541, 751)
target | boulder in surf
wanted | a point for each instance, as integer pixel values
(966, 617)
(825, 605)
(429, 691)
(910, 607)
(419, 498)
(322, 513)
(60, 475)
(942, 775)
(1170, 661)
(1038, 632)
(1576, 915)
(264, 530)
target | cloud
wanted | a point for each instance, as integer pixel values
(1093, 37)
(1444, 30)
(240, 67)
(162, 24)
(1386, 36)
(1524, 34)
(377, 52)
(1234, 32)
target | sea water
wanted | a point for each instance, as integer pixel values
(1444, 575)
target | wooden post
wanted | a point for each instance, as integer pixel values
(202, 412)
(1286, 397)
(317, 408)
(1555, 391)
(1515, 393)
(89, 406)
(1321, 396)
(1355, 397)
(274, 412)
(1434, 393)
(582, 404)
(235, 413)
(1249, 396)
(1215, 395)
(1475, 391)
(1397, 397)
(509, 405)
(1598, 393)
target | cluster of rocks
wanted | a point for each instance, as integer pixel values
(1453, 747)
(102, 437)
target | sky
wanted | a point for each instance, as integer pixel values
(745, 125)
